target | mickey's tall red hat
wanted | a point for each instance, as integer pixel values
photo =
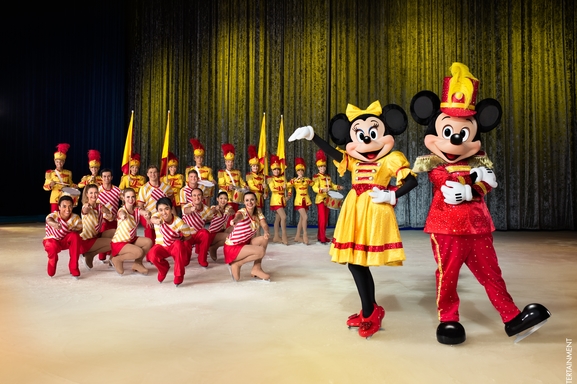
(459, 92)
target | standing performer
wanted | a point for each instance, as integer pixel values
(133, 179)
(94, 167)
(218, 228)
(56, 179)
(366, 233)
(109, 196)
(63, 232)
(302, 200)
(175, 180)
(241, 245)
(125, 245)
(459, 222)
(148, 195)
(255, 180)
(172, 235)
(204, 172)
(229, 179)
(93, 215)
(322, 184)
(278, 185)
(196, 214)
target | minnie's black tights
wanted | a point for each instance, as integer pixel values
(365, 286)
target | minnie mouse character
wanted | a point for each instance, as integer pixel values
(366, 232)
(459, 222)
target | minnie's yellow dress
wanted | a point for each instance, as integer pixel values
(366, 233)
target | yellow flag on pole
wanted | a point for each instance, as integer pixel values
(262, 155)
(164, 158)
(128, 148)
(280, 152)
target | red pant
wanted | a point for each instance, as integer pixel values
(148, 229)
(202, 241)
(179, 251)
(323, 220)
(53, 247)
(477, 252)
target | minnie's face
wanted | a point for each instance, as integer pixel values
(369, 142)
(454, 139)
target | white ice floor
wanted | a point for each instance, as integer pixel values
(106, 328)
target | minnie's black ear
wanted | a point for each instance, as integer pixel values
(395, 119)
(488, 114)
(340, 129)
(424, 106)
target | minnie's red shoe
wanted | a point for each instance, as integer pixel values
(354, 320)
(371, 325)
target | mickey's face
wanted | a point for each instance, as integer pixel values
(454, 138)
(369, 142)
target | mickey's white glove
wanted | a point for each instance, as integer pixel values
(302, 133)
(380, 196)
(455, 192)
(485, 174)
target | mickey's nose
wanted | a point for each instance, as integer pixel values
(456, 139)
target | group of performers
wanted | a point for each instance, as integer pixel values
(176, 214)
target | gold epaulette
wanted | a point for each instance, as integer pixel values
(427, 163)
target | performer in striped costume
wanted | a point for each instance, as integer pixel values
(322, 184)
(192, 184)
(241, 245)
(172, 235)
(125, 245)
(62, 232)
(93, 215)
(277, 185)
(229, 179)
(56, 179)
(302, 201)
(133, 179)
(175, 180)
(148, 195)
(218, 228)
(109, 196)
(203, 172)
(94, 167)
(196, 214)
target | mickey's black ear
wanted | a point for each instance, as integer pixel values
(395, 119)
(340, 129)
(424, 106)
(488, 114)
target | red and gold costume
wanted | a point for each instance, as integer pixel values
(61, 178)
(322, 181)
(148, 195)
(199, 236)
(301, 187)
(277, 186)
(204, 172)
(91, 226)
(241, 234)
(126, 230)
(256, 181)
(133, 181)
(93, 161)
(67, 237)
(231, 181)
(175, 181)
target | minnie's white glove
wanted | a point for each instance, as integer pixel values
(380, 196)
(302, 133)
(485, 174)
(455, 192)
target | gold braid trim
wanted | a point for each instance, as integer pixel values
(427, 163)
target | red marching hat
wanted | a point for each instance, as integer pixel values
(93, 158)
(459, 92)
(228, 151)
(300, 164)
(321, 158)
(197, 147)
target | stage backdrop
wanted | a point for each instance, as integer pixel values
(217, 66)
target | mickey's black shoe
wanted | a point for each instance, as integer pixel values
(528, 321)
(450, 332)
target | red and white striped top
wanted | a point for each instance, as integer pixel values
(126, 230)
(219, 222)
(74, 223)
(197, 219)
(245, 229)
(91, 222)
(149, 195)
(168, 233)
(109, 198)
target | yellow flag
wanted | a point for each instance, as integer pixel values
(262, 155)
(128, 148)
(164, 159)
(280, 152)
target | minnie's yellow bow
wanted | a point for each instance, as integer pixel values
(373, 109)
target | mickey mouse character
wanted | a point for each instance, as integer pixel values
(459, 222)
(366, 232)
